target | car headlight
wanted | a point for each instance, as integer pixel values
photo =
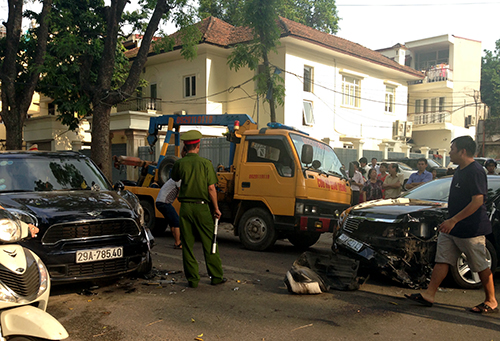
(44, 277)
(140, 211)
(299, 208)
(10, 231)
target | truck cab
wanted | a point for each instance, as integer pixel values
(283, 184)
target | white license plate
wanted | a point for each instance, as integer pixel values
(353, 244)
(85, 256)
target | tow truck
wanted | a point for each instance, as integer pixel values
(279, 182)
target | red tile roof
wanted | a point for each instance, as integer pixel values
(217, 32)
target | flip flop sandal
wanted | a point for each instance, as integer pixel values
(419, 299)
(178, 246)
(483, 308)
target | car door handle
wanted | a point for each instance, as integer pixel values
(245, 185)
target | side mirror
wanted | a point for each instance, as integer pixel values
(306, 156)
(351, 170)
(119, 186)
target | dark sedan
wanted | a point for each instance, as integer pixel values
(398, 236)
(87, 229)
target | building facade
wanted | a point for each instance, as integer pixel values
(446, 103)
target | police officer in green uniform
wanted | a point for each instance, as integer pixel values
(197, 191)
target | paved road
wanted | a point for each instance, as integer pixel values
(255, 305)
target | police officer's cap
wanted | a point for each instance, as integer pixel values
(191, 137)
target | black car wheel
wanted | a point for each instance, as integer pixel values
(257, 230)
(462, 274)
(303, 240)
(145, 266)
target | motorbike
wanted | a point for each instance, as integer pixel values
(24, 284)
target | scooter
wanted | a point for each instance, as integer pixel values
(24, 284)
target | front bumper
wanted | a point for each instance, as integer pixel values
(60, 258)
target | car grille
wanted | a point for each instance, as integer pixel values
(96, 228)
(96, 268)
(351, 224)
(25, 284)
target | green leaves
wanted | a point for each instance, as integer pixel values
(490, 80)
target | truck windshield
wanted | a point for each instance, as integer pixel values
(329, 163)
(49, 174)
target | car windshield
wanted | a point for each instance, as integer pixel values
(49, 174)
(436, 190)
(328, 160)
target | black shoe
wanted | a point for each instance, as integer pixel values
(224, 280)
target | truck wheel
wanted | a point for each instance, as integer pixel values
(302, 240)
(164, 169)
(462, 274)
(149, 214)
(257, 231)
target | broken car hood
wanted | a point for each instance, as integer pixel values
(392, 208)
(53, 207)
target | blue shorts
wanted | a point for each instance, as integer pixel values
(169, 213)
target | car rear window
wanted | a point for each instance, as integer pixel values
(49, 174)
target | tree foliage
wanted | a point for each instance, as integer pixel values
(262, 18)
(86, 72)
(490, 80)
(318, 14)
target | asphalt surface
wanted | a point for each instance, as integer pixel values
(255, 305)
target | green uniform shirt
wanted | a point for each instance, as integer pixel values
(197, 174)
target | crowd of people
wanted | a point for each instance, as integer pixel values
(383, 181)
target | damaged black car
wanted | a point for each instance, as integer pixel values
(88, 230)
(398, 236)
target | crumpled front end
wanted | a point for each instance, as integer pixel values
(401, 248)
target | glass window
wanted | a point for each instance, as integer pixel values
(308, 78)
(327, 160)
(389, 99)
(273, 151)
(351, 91)
(441, 104)
(307, 114)
(153, 91)
(426, 105)
(190, 86)
(49, 174)
(418, 106)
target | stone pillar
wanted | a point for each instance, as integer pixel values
(425, 151)
(442, 152)
(135, 139)
(406, 149)
(385, 148)
(359, 147)
(76, 145)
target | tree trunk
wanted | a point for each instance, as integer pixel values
(13, 129)
(101, 152)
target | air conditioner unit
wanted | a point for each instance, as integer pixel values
(409, 129)
(398, 129)
(470, 121)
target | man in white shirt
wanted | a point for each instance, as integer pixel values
(166, 196)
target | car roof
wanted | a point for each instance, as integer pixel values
(28, 154)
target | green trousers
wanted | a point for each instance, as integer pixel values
(197, 217)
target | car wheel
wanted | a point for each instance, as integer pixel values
(303, 240)
(149, 214)
(257, 230)
(146, 266)
(164, 169)
(462, 274)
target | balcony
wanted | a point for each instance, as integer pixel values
(438, 73)
(429, 118)
(143, 104)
